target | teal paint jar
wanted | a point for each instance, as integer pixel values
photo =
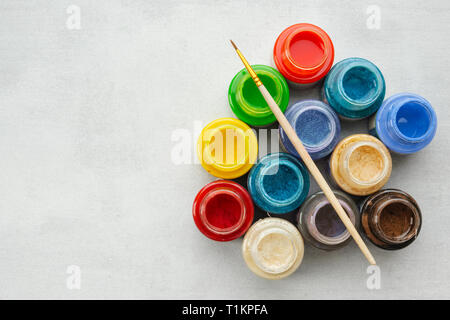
(354, 88)
(278, 183)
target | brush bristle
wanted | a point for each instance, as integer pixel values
(234, 46)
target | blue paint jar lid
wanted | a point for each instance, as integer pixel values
(354, 88)
(406, 123)
(317, 125)
(278, 183)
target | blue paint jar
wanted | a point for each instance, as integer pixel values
(278, 183)
(405, 123)
(317, 126)
(354, 88)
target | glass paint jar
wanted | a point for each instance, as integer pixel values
(247, 102)
(317, 126)
(278, 183)
(320, 225)
(273, 248)
(405, 123)
(391, 219)
(354, 88)
(360, 164)
(223, 210)
(227, 148)
(303, 53)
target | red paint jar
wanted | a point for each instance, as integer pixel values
(223, 210)
(303, 53)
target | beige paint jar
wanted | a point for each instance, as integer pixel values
(360, 164)
(273, 248)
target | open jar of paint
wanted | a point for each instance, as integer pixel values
(303, 53)
(223, 210)
(405, 123)
(227, 148)
(273, 248)
(278, 183)
(391, 219)
(354, 88)
(319, 223)
(247, 102)
(360, 164)
(317, 126)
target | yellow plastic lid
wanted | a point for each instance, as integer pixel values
(227, 148)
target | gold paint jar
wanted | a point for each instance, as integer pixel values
(360, 164)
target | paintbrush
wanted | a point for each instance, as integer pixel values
(296, 142)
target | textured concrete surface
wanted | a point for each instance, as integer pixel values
(86, 123)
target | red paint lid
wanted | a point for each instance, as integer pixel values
(223, 210)
(303, 53)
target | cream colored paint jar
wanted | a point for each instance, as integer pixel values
(360, 164)
(273, 248)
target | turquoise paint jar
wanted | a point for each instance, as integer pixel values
(278, 183)
(354, 88)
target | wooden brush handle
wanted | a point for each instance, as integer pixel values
(316, 173)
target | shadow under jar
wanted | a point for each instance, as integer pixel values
(391, 219)
(321, 226)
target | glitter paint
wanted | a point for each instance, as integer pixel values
(391, 219)
(273, 248)
(354, 88)
(320, 225)
(303, 53)
(247, 102)
(223, 210)
(278, 183)
(405, 123)
(317, 126)
(360, 164)
(227, 148)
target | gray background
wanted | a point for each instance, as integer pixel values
(86, 123)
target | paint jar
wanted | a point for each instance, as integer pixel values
(227, 148)
(391, 219)
(246, 100)
(317, 126)
(405, 122)
(303, 53)
(319, 223)
(360, 164)
(223, 210)
(273, 248)
(278, 183)
(354, 88)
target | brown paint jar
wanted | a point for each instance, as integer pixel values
(391, 219)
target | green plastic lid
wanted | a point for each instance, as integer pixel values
(246, 100)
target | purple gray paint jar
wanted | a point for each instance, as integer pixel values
(316, 124)
(321, 226)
